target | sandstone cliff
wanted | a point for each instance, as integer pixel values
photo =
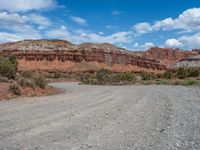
(49, 55)
(167, 56)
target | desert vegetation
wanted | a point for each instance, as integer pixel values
(181, 76)
(27, 83)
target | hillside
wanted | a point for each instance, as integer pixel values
(52, 55)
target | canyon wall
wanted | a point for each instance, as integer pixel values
(83, 60)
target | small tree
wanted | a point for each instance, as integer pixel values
(7, 68)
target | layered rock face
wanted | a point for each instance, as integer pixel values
(168, 56)
(188, 62)
(51, 55)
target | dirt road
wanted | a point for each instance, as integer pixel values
(104, 118)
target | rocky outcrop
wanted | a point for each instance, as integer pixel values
(188, 62)
(65, 56)
(79, 56)
(167, 56)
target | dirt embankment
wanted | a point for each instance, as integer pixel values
(5, 92)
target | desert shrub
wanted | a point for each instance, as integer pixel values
(102, 76)
(27, 74)
(181, 73)
(15, 88)
(193, 72)
(13, 60)
(57, 75)
(159, 75)
(88, 79)
(7, 69)
(147, 76)
(24, 82)
(167, 74)
(40, 81)
(123, 77)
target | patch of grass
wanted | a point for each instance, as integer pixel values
(189, 82)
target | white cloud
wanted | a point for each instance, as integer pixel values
(12, 18)
(79, 20)
(61, 33)
(25, 5)
(191, 41)
(142, 28)
(189, 20)
(173, 43)
(80, 36)
(145, 46)
(39, 20)
(8, 37)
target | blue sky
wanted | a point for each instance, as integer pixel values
(132, 24)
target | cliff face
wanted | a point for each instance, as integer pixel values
(188, 62)
(90, 60)
(50, 55)
(167, 56)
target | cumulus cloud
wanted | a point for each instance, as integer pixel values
(173, 43)
(61, 33)
(25, 5)
(8, 37)
(12, 18)
(189, 20)
(78, 20)
(39, 20)
(191, 41)
(145, 46)
(80, 36)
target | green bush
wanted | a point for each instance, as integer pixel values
(40, 81)
(7, 68)
(15, 88)
(102, 76)
(167, 74)
(57, 75)
(24, 82)
(123, 77)
(27, 74)
(181, 73)
(13, 60)
(147, 76)
(193, 72)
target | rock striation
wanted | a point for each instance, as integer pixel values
(168, 56)
(49, 55)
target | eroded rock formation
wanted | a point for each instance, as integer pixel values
(100, 56)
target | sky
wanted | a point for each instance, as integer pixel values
(130, 24)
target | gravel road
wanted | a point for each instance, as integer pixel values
(104, 118)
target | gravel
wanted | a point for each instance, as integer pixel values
(153, 117)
